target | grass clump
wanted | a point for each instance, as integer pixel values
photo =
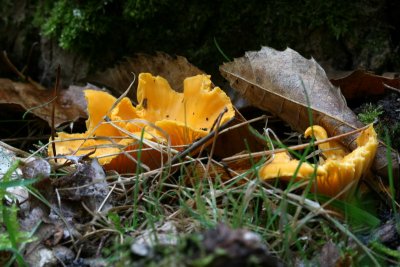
(12, 239)
(294, 227)
(164, 211)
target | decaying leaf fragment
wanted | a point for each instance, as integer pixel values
(289, 86)
(69, 105)
(361, 83)
(335, 172)
(163, 116)
(173, 69)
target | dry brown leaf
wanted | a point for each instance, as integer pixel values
(291, 87)
(173, 69)
(70, 103)
(361, 83)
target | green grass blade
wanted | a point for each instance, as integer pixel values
(14, 183)
(353, 213)
(390, 169)
(220, 50)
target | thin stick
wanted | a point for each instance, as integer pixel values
(297, 147)
(20, 75)
(28, 61)
(12, 66)
(262, 117)
(53, 113)
(14, 150)
(391, 88)
(217, 122)
(29, 138)
(199, 143)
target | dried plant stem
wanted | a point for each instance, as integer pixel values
(28, 61)
(216, 132)
(200, 143)
(397, 90)
(20, 74)
(246, 122)
(297, 147)
(14, 150)
(53, 112)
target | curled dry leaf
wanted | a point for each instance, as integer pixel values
(70, 103)
(292, 87)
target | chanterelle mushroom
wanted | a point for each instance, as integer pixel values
(332, 149)
(163, 115)
(336, 172)
(284, 167)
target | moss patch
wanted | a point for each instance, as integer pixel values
(107, 30)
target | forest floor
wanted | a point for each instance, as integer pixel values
(198, 210)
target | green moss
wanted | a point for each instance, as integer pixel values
(101, 29)
(370, 113)
(75, 25)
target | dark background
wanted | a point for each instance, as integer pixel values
(87, 36)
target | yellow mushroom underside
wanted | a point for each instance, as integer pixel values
(336, 172)
(163, 115)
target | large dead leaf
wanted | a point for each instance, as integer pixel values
(70, 103)
(292, 87)
(118, 78)
(361, 83)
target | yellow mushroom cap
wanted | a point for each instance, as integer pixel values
(184, 116)
(162, 115)
(284, 167)
(334, 174)
(98, 137)
(351, 168)
(99, 104)
(331, 149)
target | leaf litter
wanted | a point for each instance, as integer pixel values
(70, 103)
(83, 209)
(295, 87)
